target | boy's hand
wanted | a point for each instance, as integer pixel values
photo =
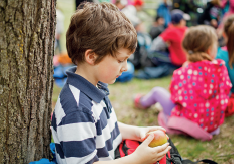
(147, 155)
(141, 132)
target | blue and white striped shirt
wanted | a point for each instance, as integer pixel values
(84, 124)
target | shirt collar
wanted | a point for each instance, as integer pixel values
(86, 87)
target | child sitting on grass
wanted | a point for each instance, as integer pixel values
(199, 89)
(85, 129)
(227, 54)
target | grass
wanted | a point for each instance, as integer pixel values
(219, 149)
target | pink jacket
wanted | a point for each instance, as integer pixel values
(201, 92)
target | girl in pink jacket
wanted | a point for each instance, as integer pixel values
(199, 89)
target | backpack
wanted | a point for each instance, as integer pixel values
(127, 147)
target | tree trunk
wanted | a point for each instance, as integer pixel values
(26, 79)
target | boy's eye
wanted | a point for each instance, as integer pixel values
(121, 61)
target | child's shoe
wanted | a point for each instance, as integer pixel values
(137, 103)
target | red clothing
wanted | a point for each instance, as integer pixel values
(175, 36)
(230, 107)
(201, 92)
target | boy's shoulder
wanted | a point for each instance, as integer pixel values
(79, 94)
(74, 105)
(71, 100)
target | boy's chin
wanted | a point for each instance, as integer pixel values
(112, 82)
(109, 82)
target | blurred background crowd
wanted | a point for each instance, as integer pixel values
(160, 26)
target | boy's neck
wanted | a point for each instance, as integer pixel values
(86, 73)
(178, 25)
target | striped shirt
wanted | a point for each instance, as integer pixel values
(84, 124)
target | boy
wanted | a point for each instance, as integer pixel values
(173, 37)
(169, 40)
(121, 4)
(84, 126)
(157, 27)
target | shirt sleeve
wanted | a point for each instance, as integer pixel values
(77, 133)
(158, 44)
(225, 82)
(166, 35)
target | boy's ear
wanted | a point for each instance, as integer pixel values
(90, 57)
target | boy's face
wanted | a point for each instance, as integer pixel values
(120, 6)
(161, 21)
(140, 28)
(182, 22)
(110, 68)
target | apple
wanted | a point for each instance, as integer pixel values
(160, 138)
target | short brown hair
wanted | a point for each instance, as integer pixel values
(101, 28)
(229, 31)
(197, 41)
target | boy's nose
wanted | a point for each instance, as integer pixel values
(125, 66)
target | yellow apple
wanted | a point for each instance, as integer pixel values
(160, 138)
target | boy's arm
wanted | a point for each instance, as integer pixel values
(137, 133)
(158, 44)
(142, 155)
(128, 131)
(124, 160)
(74, 136)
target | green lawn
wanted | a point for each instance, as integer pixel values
(220, 148)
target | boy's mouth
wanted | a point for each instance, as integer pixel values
(118, 76)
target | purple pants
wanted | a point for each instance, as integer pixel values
(161, 95)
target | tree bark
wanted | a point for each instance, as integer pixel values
(26, 79)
